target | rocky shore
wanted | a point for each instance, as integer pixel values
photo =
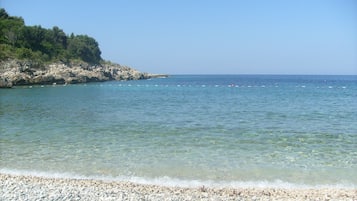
(15, 187)
(16, 72)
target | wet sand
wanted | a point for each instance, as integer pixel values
(14, 187)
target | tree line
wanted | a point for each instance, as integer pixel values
(44, 45)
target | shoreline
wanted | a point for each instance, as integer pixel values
(15, 72)
(21, 187)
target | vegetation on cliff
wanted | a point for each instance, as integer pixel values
(42, 46)
(34, 55)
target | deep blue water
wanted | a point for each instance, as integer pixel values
(206, 128)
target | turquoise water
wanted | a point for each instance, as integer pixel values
(232, 129)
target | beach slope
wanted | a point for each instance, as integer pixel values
(14, 187)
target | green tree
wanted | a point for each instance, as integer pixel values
(3, 14)
(85, 48)
(44, 45)
(9, 28)
(59, 37)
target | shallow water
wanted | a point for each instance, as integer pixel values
(217, 128)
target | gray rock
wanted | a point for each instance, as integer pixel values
(16, 72)
(5, 83)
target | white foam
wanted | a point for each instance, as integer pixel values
(41, 174)
(175, 182)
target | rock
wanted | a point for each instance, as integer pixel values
(15, 72)
(4, 83)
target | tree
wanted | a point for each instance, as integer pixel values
(85, 48)
(59, 37)
(32, 36)
(3, 14)
(44, 45)
(9, 28)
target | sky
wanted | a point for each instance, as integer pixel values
(209, 36)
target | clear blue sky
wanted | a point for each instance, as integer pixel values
(210, 36)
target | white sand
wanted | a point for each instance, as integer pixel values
(39, 188)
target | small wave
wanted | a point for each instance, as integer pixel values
(175, 182)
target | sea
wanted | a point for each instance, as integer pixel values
(186, 130)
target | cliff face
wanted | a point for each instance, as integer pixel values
(15, 72)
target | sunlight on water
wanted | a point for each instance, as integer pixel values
(209, 128)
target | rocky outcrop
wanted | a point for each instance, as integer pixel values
(5, 83)
(15, 72)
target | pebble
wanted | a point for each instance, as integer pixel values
(39, 188)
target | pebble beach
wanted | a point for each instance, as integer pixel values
(17, 187)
